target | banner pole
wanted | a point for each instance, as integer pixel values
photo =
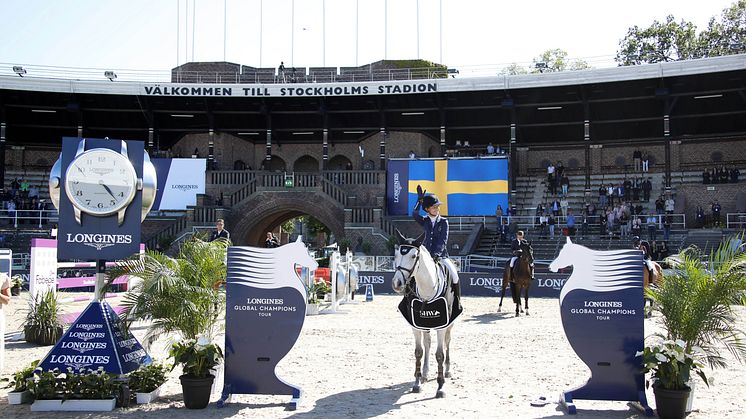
(100, 278)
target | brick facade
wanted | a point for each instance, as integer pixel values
(729, 195)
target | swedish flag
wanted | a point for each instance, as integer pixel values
(465, 187)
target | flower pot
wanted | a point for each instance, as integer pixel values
(670, 404)
(15, 291)
(143, 398)
(44, 337)
(312, 309)
(20, 397)
(196, 391)
(86, 405)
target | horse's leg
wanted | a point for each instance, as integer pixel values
(417, 360)
(448, 352)
(528, 285)
(426, 360)
(440, 357)
(504, 285)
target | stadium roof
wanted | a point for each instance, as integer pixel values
(704, 98)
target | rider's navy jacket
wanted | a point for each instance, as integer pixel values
(436, 236)
(515, 246)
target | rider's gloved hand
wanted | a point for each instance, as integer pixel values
(420, 194)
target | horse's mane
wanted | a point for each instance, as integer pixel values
(266, 268)
(602, 270)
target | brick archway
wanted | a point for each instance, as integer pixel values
(266, 210)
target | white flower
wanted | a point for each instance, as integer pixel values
(660, 357)
(681, 343)
(638, 353)
(203, 341)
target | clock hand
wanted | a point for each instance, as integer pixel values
(109, 191)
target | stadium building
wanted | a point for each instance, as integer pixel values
(321, 143)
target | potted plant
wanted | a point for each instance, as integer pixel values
(181, 295)
(198, 358)
(694, 303)
(42, 325)
(16, 284)
(20, 393)
(312, 306)
(82, 391)
(671, 364)
(146, 382)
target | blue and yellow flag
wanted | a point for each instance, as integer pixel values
(469, 187)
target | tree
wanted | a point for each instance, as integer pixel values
(728, 36)
(666, 41)
(672, 41)
(513, 70)
(553, 60)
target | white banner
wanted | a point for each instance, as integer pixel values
(179, 182)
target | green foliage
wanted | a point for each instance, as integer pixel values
(46, 385)
(315, 226)
(288, 226)
(90, 384)
(21, 377)
(182, 294)
(513, 70)
(147, 378)
(317, 290)
(165, 242)
(556, 60)
(197, 357)
(672, 41)
(672, 363)
(344, 244)
(42, 320)
(695, 301)
(16, 281)
(391, 243)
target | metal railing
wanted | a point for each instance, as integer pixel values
(735, 220)
(38, 218)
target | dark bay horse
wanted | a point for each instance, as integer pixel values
(522, 272)
(417, 275)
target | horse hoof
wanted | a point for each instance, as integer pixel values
(448, 375)
(416, 389)
(527, 313)
(498, 309)
(440, 394)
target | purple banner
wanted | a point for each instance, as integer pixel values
(397, 184)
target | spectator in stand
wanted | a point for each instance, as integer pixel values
(645, 163)
(24, 188)
(611, 222)
(543, 222)
(584, 225)
(551, 222)
(724, 174)
(699, 216)
(636, 189)
(663, 250)
(654, 250)
(716, 213)
(564, 204)
(565, 183)
(490, 149)
(706, 177)
(611, 193)
(734, 174)
(647, 186)
(666, 227)
(499, 214)
(603, 224)
(271, 241)
(539, 209)
(637, 159)
(627, 188)
(550, 177)
(660, 205)
(669, 204)
(15, 185)
(11, 211)
(570, 223)
(411, 154)
(33, 192)
(513, 210)
(590, 209)
(504, 231)
(555, 208)
(602, 196)
(620, 192)
(560, 170)
(636, 226)
(220, 232)
(624, 224)
(652, 227)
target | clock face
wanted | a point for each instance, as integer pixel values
(100, 182)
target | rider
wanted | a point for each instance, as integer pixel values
(436, 233)
(644, 247)
(515, 247)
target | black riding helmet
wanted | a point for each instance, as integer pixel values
(636, 241)
(429, 200)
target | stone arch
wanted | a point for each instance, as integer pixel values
(306, 164)
(275, 164)
(338, 162)
(265, 211)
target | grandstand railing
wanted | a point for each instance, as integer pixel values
(735, 220)
(337, 177)
(38, 218)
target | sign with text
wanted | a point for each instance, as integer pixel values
(43, 266)
(265, 312)
(601, 305)
(96, 340)
(179, 182)
(98, 237)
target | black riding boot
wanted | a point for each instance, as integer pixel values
(457, 293)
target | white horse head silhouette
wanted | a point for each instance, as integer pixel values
(594, 270)
(269, 268)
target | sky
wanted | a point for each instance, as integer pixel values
(471, 35)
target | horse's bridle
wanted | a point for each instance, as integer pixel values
(409, 271)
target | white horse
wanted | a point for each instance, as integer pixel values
(417, 273)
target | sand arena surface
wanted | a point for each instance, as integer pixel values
(359, 363)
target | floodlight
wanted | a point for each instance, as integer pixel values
(110, 75)
(19, 70)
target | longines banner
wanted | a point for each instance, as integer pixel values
(265, 311)
(98, 237)
(96, 340)
(179, 182)
(484, 284)
(284, 90)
